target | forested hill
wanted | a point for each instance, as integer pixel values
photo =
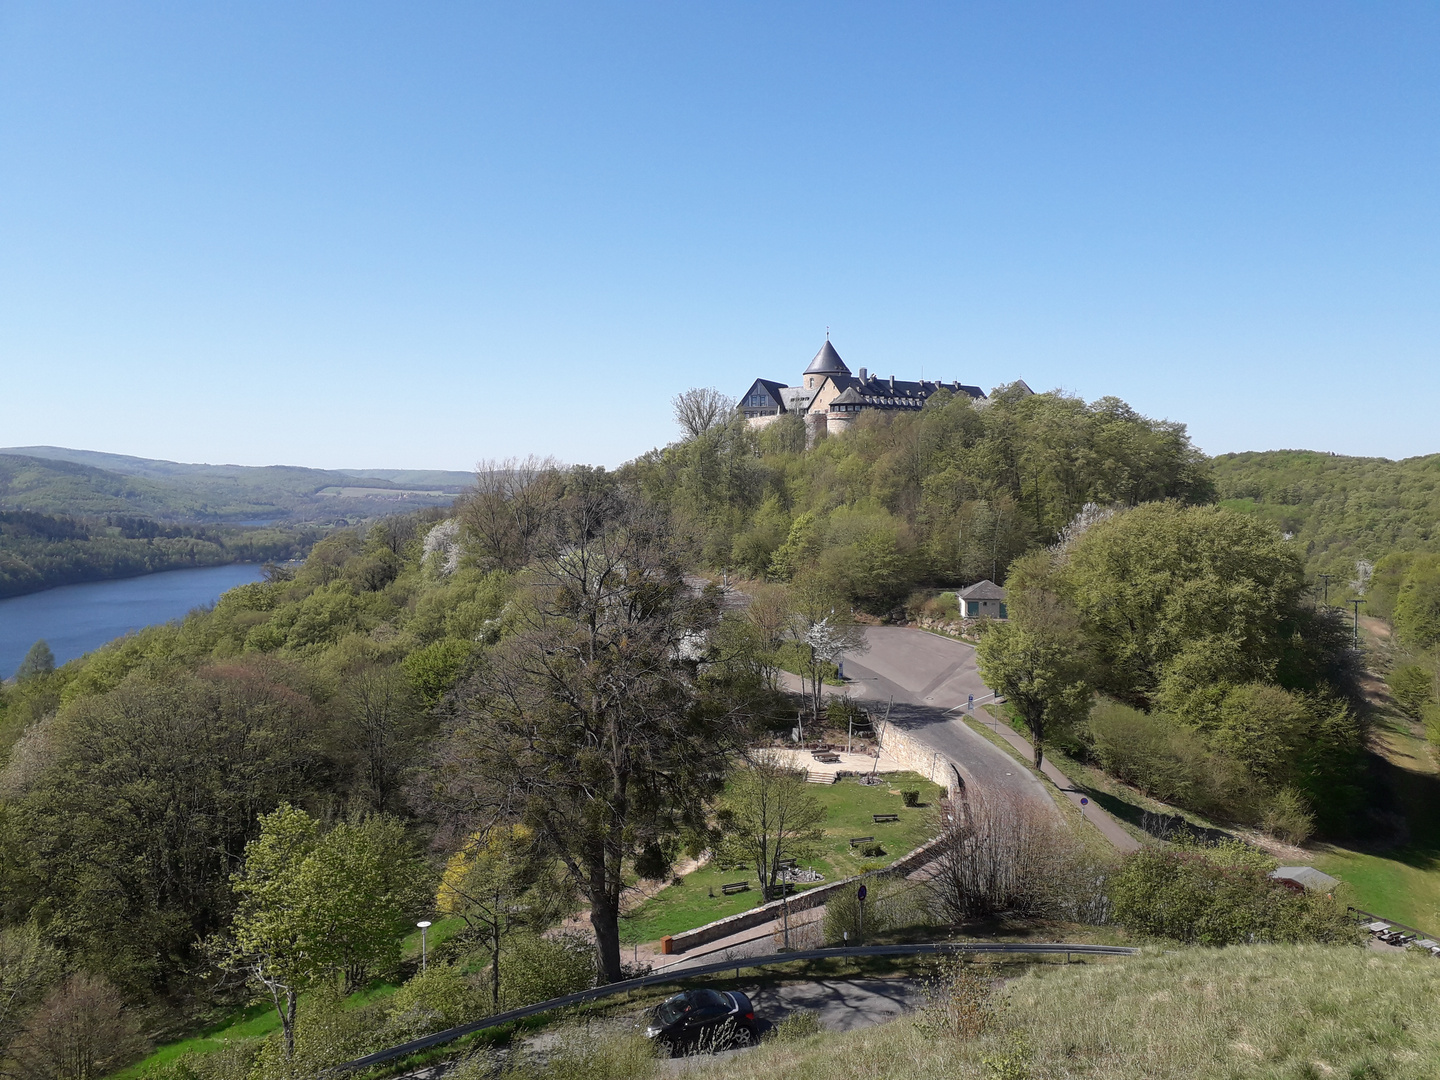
(55, 480)
(1342, 509)
(40, 551)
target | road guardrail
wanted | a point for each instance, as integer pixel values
(440, 1038)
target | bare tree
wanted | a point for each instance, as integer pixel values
(701, 408)
(80, 1032)
(768, 816)
(509, 508)
(1000, 855)
(585, 724)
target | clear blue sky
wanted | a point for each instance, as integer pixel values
(416, 235)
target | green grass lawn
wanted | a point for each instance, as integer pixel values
(698, 899)
(252, 1022)
(1401, 882)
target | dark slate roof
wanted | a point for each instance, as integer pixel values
(982, 590)
(827, 362)
(768, 385)
(885, 394)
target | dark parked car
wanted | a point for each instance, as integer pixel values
(710, 1019)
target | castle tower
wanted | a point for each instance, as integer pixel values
(827, 362)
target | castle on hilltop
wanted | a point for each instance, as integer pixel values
(831, 399)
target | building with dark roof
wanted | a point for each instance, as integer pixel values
(831, 399)
(983, 599)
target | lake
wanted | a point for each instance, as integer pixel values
(74, 619)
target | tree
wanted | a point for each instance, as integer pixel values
(38, 661)
(824, 630)
(29, 965)
(1412, 687)
(269, 927)
(1417, 604)
(768, 815)
(381, 721)
(586, 724)
(701, 409)
(142, 803)
(80, 1032)
(507, 510)
(1039, 665)
(501, 882)
(314, 907)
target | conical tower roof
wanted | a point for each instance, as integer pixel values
(827, 362)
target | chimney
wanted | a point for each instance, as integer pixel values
(862, 374)
(892, 384)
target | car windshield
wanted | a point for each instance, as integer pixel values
(672, 1009)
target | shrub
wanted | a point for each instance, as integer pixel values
(580, 1055)
(961, 1003)
(1220, 897)
(1288, 817)
(888, 904)
(800, 1024)
(539, 968)
(1171, 762)
(440, 997)
(842, 712)
(911, 798)
(872, 851)
(1002, 856)
(1412, 688)
(327, 1033)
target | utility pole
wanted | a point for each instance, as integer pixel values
(1326, 579)
(1357, 604)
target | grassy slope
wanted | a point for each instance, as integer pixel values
(1400, 882)
(1259, 1011)
(848, 805)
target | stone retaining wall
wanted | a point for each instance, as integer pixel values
(917, 757)
(801, 901)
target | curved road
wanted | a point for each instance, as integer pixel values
(931, 679)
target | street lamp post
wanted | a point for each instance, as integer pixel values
(424, 925)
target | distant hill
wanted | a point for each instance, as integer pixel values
(1342, 509)
(57, 480)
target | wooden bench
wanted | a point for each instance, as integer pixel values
(826, 757)
(856, 841)
(882, 818)
(735, 887)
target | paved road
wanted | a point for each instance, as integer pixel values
(842, 1005)
(931, 679)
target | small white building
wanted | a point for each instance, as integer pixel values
(984, 599)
